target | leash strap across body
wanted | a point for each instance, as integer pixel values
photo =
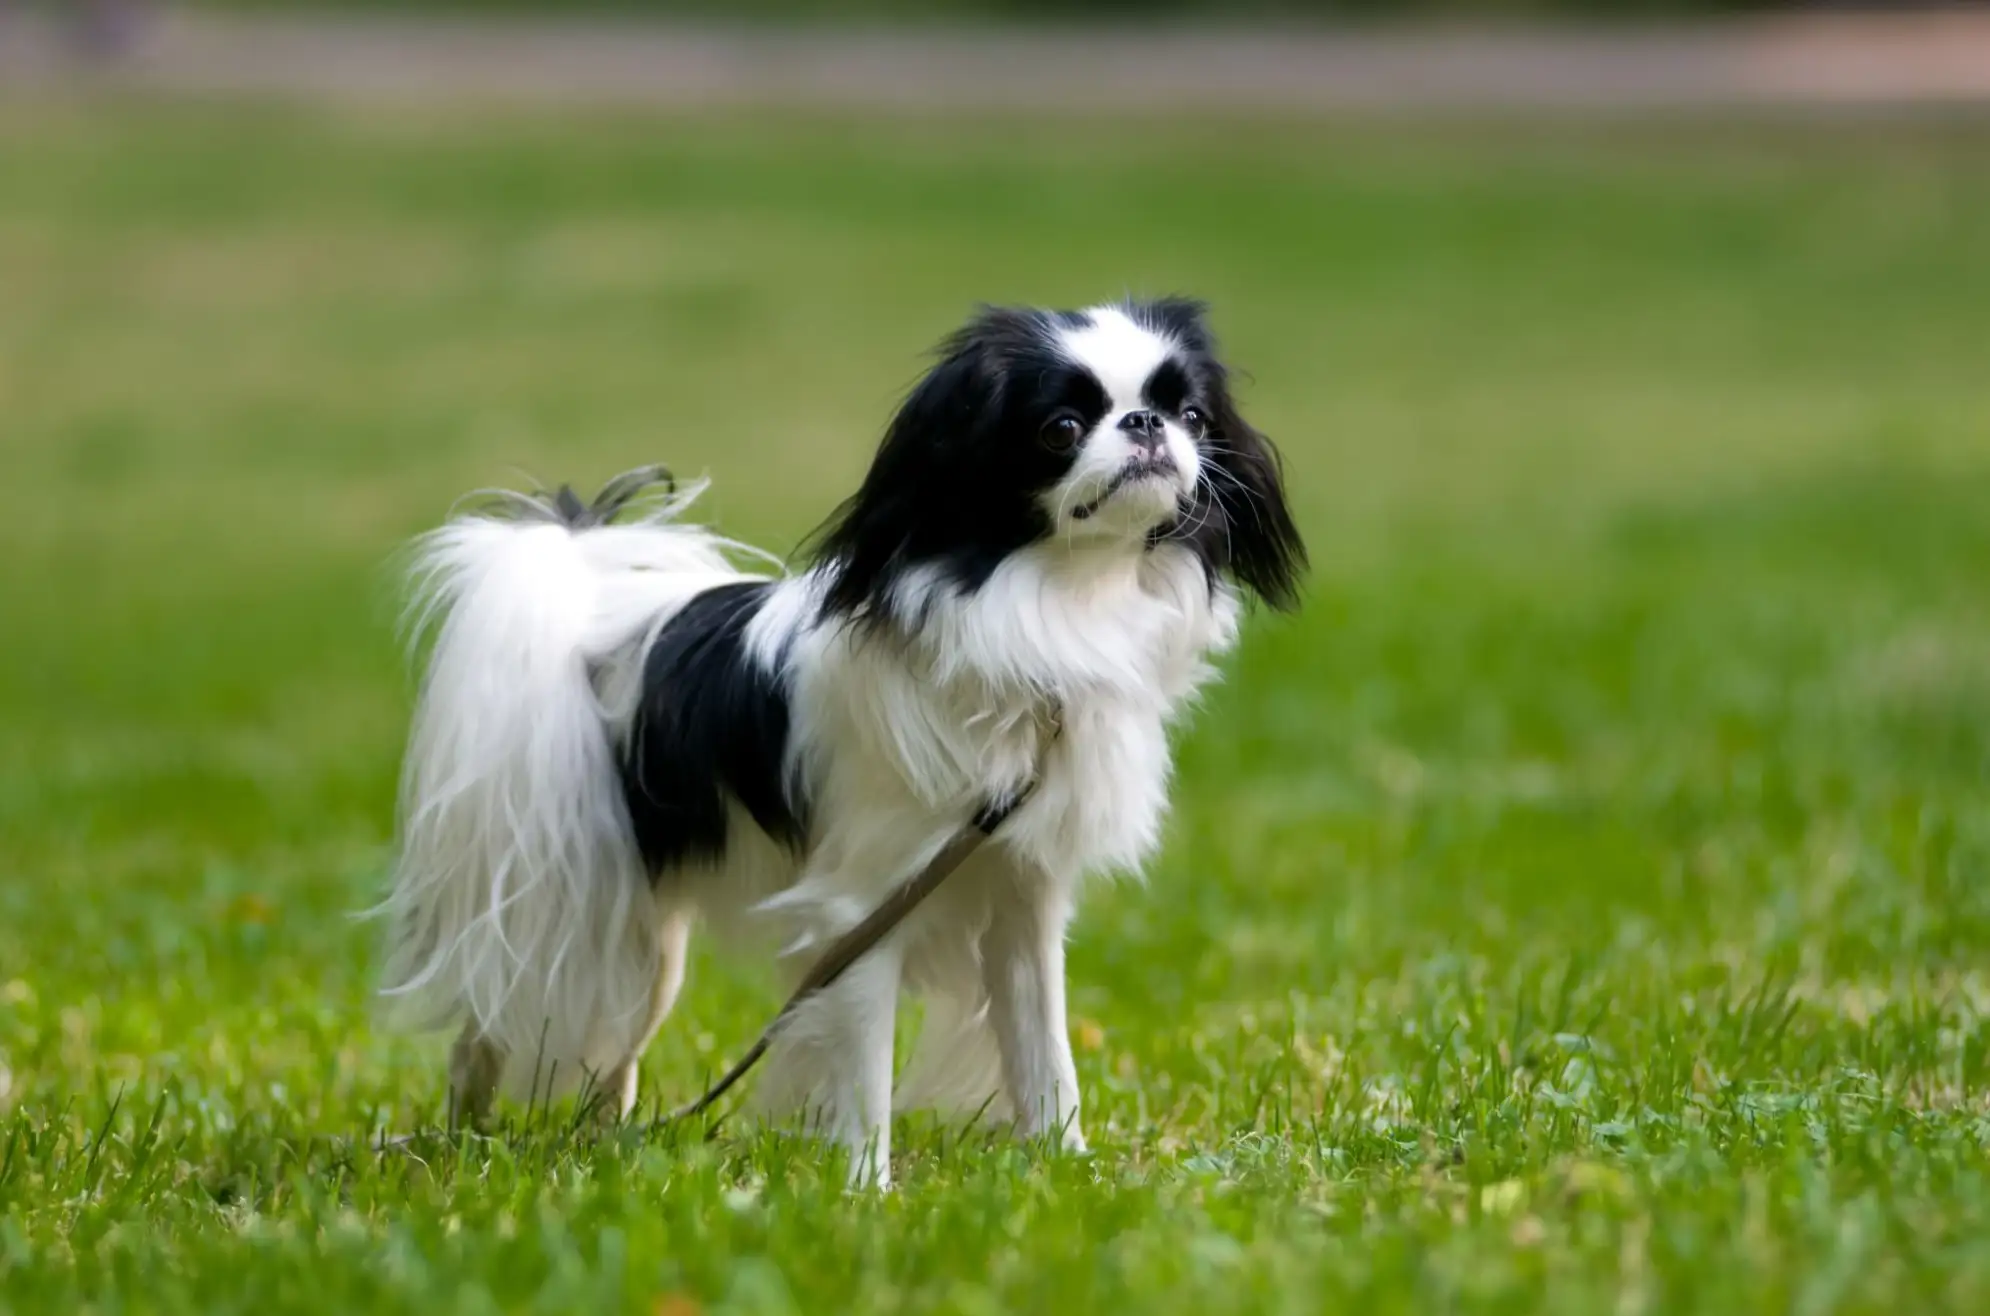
(889, 913)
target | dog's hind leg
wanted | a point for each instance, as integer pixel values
(475, 1066)
(617, 1092)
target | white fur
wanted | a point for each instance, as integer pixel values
(900, 745)
(1120, 354)
(1119, 351)
(521, 903)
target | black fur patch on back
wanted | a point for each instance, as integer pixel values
(712, 728)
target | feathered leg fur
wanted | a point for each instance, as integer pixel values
(618, 1086)
(1022, 968)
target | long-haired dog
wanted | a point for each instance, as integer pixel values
(621, 731)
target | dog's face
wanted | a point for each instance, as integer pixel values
(1110, 426)
(1119, 408)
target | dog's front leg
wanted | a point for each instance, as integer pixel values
(831, 1064)
(1023, 972)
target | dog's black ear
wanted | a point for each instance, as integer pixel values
(1247, 484)
(1242, 522)
(880, 528)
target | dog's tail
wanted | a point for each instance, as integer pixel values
(520, 903)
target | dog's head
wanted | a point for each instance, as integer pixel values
(1103, 428)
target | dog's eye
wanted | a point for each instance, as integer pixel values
(1062, 432)
(1194, 420)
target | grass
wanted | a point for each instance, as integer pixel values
(1582, 905)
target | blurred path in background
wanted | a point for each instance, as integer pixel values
(1815, 61)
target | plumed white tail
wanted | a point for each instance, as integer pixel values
(520, 903)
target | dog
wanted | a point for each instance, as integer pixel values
(622, 730)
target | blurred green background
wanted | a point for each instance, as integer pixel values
(1118, 11)
(1581, 904)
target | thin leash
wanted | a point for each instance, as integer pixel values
(847, 949)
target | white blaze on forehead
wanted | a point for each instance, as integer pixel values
(1119, 352)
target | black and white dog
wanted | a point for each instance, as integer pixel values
(620, 730)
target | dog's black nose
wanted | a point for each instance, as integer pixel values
(1144, 426)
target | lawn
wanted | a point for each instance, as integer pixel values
(1583, 904)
